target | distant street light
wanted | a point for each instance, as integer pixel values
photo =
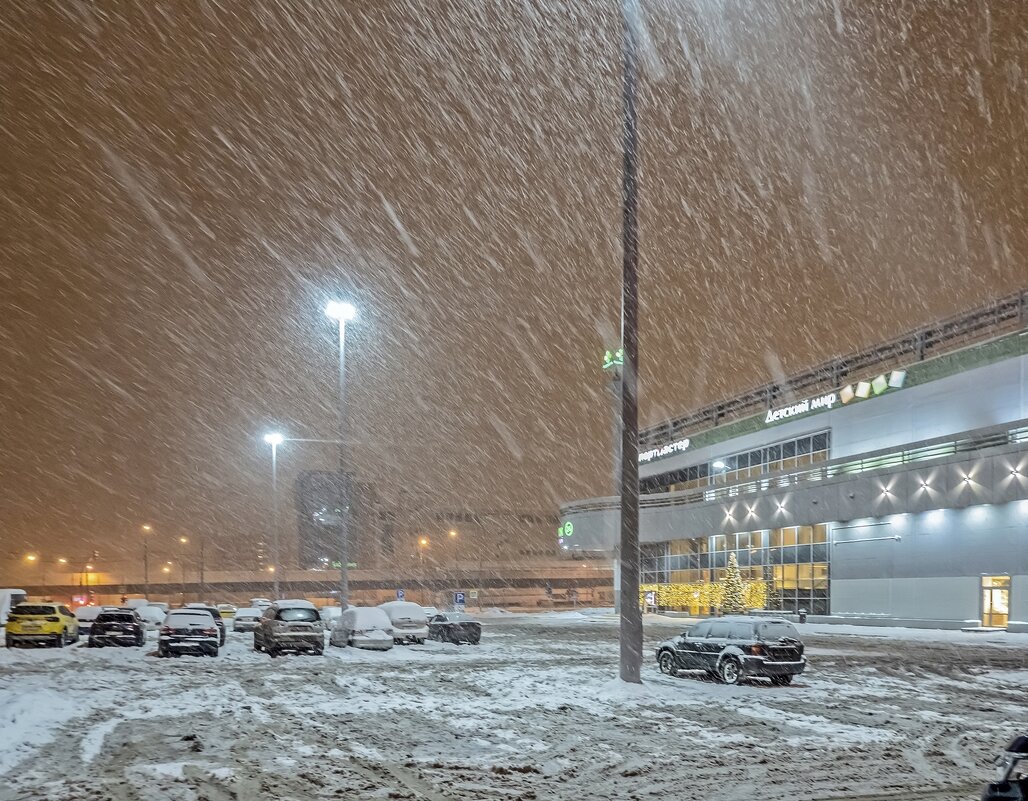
(62, 561)
(146, 528)
(274, 439)
(30, 557)
(422, 544)
(453, 534)
(343, 312)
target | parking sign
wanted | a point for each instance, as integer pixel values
(400, 595)
(458, 599)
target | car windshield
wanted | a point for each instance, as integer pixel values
(27, 609)
(298, 613)
(774, 630)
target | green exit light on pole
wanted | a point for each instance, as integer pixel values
(613, 358)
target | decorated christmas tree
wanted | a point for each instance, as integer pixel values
(732, 599)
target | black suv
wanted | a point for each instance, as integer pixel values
(117, 627)
(735, 648)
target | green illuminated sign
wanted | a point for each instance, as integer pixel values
(613, 358)
(566, 530)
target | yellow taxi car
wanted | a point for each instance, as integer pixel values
(41, 624)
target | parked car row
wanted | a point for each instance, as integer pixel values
(285, 626)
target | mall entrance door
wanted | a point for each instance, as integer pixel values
(995, 601)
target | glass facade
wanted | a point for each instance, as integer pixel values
(786, 455)
(793, 561)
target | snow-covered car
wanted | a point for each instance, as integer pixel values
(408, 619)
(188, 631)
(153, 616)
(260, 603)
(329, 615)
(85, 615)
(363, 627)
(455, 627)
(735, 648)
(246, 619)
(290, 625)
(160, 605)
(226, 610)
(430, 612)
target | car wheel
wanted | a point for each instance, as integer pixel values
(319, 651)
(59, 639)
(730, 671)
(782, 681)
(666, 662)
(213, 651)
(9, 642)
(272, 651)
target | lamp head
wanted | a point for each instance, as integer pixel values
(340, 310)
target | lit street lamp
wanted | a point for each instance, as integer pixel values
(274, 439)
(183, 541)
(422, 544)
(342, 313)
(146, 528)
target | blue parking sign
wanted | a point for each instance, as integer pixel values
(458, 599)
(400, 595)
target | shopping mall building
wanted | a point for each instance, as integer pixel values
(890, 485)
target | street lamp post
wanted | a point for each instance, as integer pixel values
(343, 313)
(183, 541)
(453, 547)
(146, 528)
(274, 439)
(631, 614)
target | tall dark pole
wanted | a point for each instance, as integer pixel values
(344, 544)
(631, 614)
(276, 567)
(203, 592)
(146, 567)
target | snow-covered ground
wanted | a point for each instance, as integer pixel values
(532, 713)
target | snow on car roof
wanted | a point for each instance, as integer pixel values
(249, 610)
(191, 610)
(401, 605)
(294, 603)
(367, 615)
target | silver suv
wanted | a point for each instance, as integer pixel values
(290, 626)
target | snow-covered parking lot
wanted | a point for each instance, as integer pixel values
(532, 713)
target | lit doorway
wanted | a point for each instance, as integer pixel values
(995, 601)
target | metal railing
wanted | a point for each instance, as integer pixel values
(974, 442)
(986, 322)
